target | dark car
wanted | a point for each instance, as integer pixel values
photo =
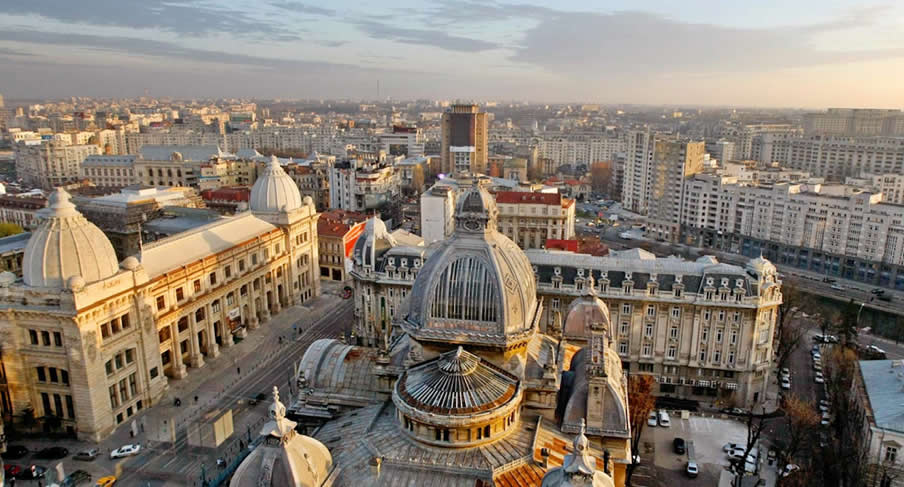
(32, 472)
(79, 477)
(52, 453)
(15, 451)
(679, 446)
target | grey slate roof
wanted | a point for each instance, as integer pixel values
(884, 381)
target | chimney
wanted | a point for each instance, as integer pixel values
(375, 464)
(544, 454)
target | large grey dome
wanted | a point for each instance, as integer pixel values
(477, 286)
(274, 191)
(66, 246)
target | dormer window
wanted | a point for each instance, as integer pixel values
(739, 283)
(580, 272)
(558, 271)
(627, 287)
(724, 282)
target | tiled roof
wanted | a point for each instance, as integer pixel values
(524, 197)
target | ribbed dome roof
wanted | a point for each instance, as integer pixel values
(67, 246)
(456, 382)
(274, 191)
(477, 287)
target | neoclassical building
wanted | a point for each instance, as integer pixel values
(463, 388)
(89, 341)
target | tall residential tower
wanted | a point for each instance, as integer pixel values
(464, 140)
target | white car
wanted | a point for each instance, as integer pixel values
(817, 366)
(732, 446)
(651, 420)
(786, 372)
(664, 420)
(125, 451)
(819, 378)
(789, 469)
(786, 383)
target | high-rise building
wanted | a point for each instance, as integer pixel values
(855, 121)
(51, 164)
(464, 140)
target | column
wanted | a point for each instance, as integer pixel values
(253, 322)
(213, 350)
(195, 358)
(224, 328)
(178, 368)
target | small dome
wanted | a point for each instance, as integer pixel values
(130, 263)
(76, 283)
(274, 191)
(307, 200)
(760, 266)
(583, 313)
(64, 245)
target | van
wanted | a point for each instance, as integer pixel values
(664, 419)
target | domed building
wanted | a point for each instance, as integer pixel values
(89, 342)
(464, 389)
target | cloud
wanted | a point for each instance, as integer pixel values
(378, 30)
(180, 17)
(162, 49)
(639, 43)
(303, 8)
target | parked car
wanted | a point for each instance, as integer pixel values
(11, 470)
(817, 366)
(678, 445)
(786, 372)
(786, 383)
(664, 420)
(652, 419)
(79, 477)
(86, 455)
(817, 356)
(692, 469)
(125, 451)
(52, 453)
(730, 446)
(107, 481)
(32, 472)
(789, 469)
(14, 451)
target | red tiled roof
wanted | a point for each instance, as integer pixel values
(343, 216)
(557, 244)
(524, 197)
(237, 193)
(331, 228)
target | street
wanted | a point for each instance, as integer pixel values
(266, 359)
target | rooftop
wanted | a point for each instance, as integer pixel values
(884, 381)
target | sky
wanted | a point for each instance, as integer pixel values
(803, 53)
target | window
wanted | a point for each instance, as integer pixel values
(554, 303)
(124, 321)
(42, 375)
(254, 259)
(58, 404)
(673, 332)
(721, 315)
(704, 335)
(105, 330)
(197, 285)
(227, 271)
(672, 352)
(647, 349)
(717, 356)
(648, 330)
(731, 357)
(213, 278)
(133, 384)
(109, 367)
(33, 337)
(737, 316)
(130, 355)
(58, 339)
(45, 400)
(626, 309)
(702, 356)
(45, 338)
(182, 324)
(70, 407)
(230, 298)
(891, 453)
(623, 329)
(64, 376)
(677, 292)
(114, 400)
(199, 315)
(118, 361)
(676, 312)
(215, 306)
(734, 337)
(123, 392)
(719, 332)
(154, 373)
(54, 377)
(623, 348)
(651, 310)
(180, 295)
(241, 265)
(161, 303)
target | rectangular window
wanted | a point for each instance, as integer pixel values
(52, 371)
(672, 352)
(676, 312)
(241, 265)
(230, 298)
(734, 337)
(161, 303)
(554, 303)
(702, 357)
(721, 315)
(180, 294)
(109, 367)
(58, 339)
(114, 326)
(64, 376)
(623, 329)
(123, 392)
(891, 453)
(70, 407)
(199, 315)
(623, 348)
(42, 375)
(133, 384)
(673, 332)
(197, 285)
(737, 316)
(124, 322)
(213, 278)
(182, 324)
(45, 401)
(706, 315)
(719, 332)
(254, 259)
(33, 337)
(647, 349)
(717, 356)
(114, 400)
(648, 330)
(626, 309)
(130, 355)
(118, 361)
(651, 310)
(731, 357)
(227, 271)
(154, 373)
(58, 405)
(45, 338)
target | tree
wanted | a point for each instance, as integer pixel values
(641, 402)
(7, 229)
(846, 323)
(845, 457)
(601, 176)
(801, 422)
(756, 423)
(790, 331)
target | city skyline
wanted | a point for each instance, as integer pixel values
(701, 53)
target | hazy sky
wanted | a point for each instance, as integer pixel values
(767, 53)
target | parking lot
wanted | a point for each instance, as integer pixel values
(709, 435)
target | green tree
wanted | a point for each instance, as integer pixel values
(7, 229)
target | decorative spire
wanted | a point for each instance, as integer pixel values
(59, 205)
(579, 462)
(278, 414)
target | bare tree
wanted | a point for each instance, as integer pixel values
(801, 422)
(790, 331)
(641, 402)
(756, 423)
(845, 457)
